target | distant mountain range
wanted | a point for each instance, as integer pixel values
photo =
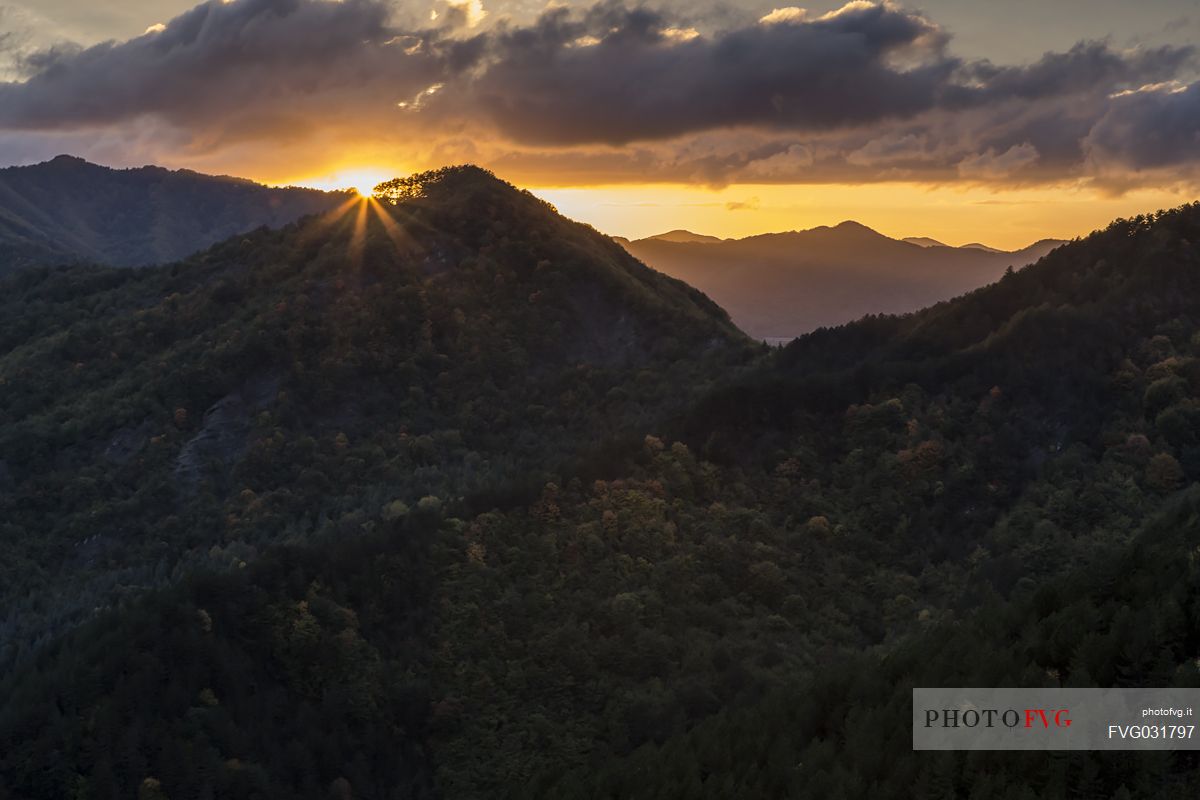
(781, 285)
(69, 210)
(683, 237)
(925, 241)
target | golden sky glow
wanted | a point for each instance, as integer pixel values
(360, 179)
(956, 215)
(1007, 219)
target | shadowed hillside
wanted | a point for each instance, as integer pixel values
(455, 345)
(448, 496)
(68, 211)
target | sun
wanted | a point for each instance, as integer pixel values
(363, 181)
(360, 180)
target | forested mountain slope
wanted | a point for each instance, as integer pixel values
(69, 211)
(724, 580)
(1128, 619)
(867, 485)
(453, 346)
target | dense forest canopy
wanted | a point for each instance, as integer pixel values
(444, 495)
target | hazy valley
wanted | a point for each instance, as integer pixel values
(778, 286)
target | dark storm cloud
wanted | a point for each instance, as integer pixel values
(869, 92)
(1153, 128)
(618, 75)
(228, 59)
(1086, 67)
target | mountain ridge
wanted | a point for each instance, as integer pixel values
(683, 236)
(780, 285)
(68, 210)
(923, 241)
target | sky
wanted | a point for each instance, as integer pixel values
(964, 120)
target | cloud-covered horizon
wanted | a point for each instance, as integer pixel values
(610, 93)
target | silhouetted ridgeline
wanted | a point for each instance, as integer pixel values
(781, 285)
(70, 211)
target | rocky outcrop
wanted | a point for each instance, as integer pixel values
(224, 432)
(127, 443)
